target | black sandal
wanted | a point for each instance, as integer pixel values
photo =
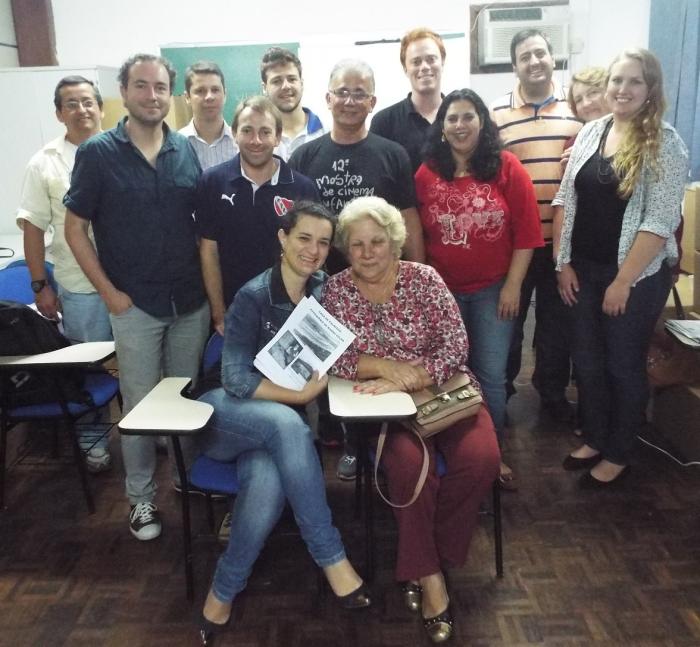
(208, 630)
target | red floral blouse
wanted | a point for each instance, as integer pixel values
(421, 320)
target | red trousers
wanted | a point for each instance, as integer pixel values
(435, 531)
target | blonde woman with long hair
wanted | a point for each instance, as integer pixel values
(621, 196)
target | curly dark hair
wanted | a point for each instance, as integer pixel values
(486, 160)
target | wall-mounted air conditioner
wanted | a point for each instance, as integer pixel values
(497, 26)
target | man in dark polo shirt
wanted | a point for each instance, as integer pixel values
(136, 184)
(422, 56)
(240, 203)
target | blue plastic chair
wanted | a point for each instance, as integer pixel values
(15, 281)
(213, 477)
(15, 285)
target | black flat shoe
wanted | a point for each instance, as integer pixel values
(357, 599)
(590, 482)
(412, 595)
(439, 628)
(208, 630)
(571, 463)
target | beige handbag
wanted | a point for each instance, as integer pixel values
(438, 407)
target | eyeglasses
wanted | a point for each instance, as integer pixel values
(74, 104)
(355, 95)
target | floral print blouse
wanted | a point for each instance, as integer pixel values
(420, 320)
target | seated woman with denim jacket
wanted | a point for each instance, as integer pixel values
(262, 426)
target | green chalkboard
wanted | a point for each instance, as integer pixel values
(239, 63)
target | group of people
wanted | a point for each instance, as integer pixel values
(436, 224)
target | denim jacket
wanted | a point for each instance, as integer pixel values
(258, 311)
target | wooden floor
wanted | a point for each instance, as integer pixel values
(581, 568)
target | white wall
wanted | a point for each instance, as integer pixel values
(603, 27)
(8, 55)
(326, 34)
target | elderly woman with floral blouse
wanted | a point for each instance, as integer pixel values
(409, 335)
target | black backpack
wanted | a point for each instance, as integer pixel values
(23, 331)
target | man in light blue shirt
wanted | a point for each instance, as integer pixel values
(207, 132)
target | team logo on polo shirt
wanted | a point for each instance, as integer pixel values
(282, 205)
(228, 197)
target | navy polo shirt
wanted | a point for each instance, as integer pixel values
(245, 223)
(401, 123)
(142, 218)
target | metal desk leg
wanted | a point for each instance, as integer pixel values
(185, 503)
(497, 529)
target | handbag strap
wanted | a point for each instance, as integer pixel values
(423, 471)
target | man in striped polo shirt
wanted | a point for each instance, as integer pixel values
(534, 122)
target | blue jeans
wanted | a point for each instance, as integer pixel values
(256, 510)
(489, 342)
(240, 426)
(610, 354)
(86, 318)
(149, 348)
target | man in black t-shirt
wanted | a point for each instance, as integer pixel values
(350, 162)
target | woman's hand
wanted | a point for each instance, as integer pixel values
(565, 158)
(509, 301)
(313, 388)
(407, 376)
(615, 299)
(568, 284)
(377, 386)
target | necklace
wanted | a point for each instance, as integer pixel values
(605, 171)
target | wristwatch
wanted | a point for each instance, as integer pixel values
(38, 286)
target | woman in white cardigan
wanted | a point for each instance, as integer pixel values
(620, 199)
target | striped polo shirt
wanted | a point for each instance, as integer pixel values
(536, 135)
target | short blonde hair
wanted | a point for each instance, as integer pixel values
(595, 77)
(388, 217)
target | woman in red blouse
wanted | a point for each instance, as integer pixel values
(480, 220)
(409, 334)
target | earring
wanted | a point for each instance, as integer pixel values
(442, 139)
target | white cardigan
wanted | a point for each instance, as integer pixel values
(655, 203)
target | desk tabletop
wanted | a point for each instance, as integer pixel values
(85, 354)
(676, 328)
(346, 403)
(165, 411)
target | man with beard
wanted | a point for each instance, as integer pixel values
(136, 185)
(534, 123)
(240, 203)
(282, 83)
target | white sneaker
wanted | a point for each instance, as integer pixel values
(97, 460)
(144, 521)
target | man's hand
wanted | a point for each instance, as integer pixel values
(217, 319)
(47, 302)
(117, 302)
